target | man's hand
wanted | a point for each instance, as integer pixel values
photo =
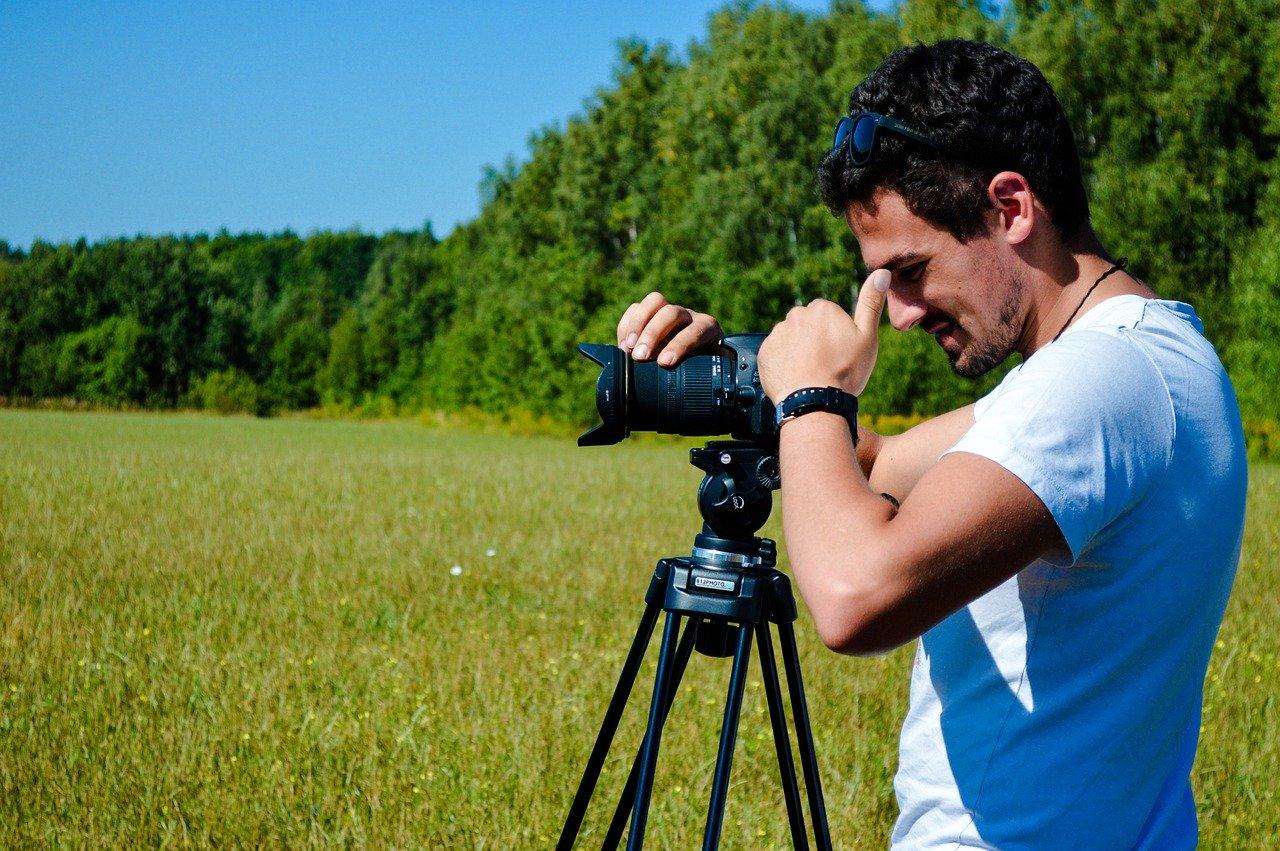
(652, 328)
(822, 346)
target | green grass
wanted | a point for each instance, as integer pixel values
(243, 632)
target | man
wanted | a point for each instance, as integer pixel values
(1064, 547)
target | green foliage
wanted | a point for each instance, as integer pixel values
(343, 375)
(691, 174)
(296, 360)
(227, 391)
(105, 363)
(1254, 357)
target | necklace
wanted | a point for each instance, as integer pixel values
(1119, 264)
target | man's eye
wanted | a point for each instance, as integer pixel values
(912, 273)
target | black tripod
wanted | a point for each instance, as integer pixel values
(729, 590)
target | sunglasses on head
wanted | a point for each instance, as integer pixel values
(858, 132)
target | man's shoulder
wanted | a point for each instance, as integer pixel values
(1096, 372)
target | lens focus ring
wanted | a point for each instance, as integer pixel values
(696, 392)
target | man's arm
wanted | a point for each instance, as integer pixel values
(874, 578)
(872, 575)
(894, 464)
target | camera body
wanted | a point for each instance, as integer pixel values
(708, 393)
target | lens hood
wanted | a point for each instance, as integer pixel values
(611, 395)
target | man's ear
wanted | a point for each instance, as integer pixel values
(1011, 195)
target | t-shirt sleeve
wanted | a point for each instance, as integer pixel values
(1087, 423)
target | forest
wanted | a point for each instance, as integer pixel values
(691, 173)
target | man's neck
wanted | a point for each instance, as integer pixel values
(1064, 290)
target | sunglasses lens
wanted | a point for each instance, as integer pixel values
(864, 136)
(842, 133)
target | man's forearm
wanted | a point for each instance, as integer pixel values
(830, 516)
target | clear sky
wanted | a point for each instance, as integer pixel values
(169, 117)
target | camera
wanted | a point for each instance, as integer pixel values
(708, 393)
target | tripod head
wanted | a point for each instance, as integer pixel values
(736, 495)
(735, 499)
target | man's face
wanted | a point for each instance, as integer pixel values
(967, 295)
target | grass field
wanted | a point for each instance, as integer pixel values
(243, 632)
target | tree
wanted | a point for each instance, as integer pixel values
(691, 174)
(105, 363)
(343, 377)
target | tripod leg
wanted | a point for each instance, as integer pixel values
(804, 736)
(626, 680)
(653, 733)
(781, 741)
(728, 737)
(628, 797)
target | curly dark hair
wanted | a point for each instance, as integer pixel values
(989, 111)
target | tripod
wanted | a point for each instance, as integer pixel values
(730, 591)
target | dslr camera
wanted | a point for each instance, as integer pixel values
(708, 393)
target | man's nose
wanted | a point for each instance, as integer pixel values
(904, 313)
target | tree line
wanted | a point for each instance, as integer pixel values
(692, 174)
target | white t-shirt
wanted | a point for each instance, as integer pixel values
(1061, 709)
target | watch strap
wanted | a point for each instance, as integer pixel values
(809, 399)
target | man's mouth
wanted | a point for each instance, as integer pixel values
(939, 327)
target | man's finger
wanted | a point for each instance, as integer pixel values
(625, 323)
(636, 317)
(702, 330)
(871, 298)
(669, 318)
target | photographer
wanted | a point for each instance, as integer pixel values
(1065, 546)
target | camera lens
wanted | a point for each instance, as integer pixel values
(682, 400)
(706, 394)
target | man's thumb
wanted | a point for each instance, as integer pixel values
(871, 297)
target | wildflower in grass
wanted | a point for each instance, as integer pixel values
(456, 570)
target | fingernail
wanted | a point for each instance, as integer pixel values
(630, 341)
(880, 279)
(666, 358)
(640, 352)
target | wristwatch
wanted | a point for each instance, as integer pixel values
(831, 399)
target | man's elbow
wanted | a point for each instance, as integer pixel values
(858, 621)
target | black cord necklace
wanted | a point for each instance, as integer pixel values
(1119, 264)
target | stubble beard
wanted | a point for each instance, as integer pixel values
(985, 355)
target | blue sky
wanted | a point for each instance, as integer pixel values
(127, 118)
